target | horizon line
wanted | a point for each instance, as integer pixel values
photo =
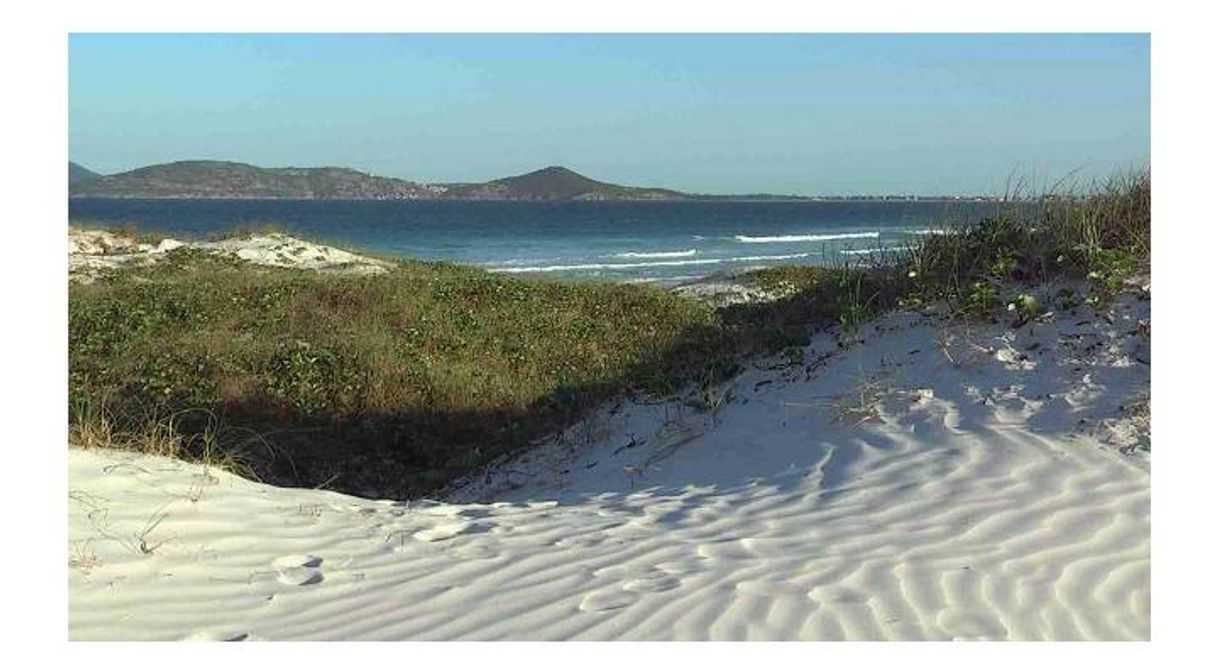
(1012, 179)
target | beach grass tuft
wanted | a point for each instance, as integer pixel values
(981, 271)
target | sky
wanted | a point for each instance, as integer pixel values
(765, 113)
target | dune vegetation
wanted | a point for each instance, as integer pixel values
(394, 384)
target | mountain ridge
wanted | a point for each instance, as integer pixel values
(557, 183)
(214, 179)
(236, 180)
(222, 179)
(77, 173)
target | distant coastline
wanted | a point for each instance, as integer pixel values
(218, 180)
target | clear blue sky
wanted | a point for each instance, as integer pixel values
(708, 113)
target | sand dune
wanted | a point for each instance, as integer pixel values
(93, 251)
(925, 481)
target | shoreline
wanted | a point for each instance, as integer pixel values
(609, 252)
(94, 250)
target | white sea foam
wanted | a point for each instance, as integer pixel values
(867, 251)
(787, 238)
(681, 262)
(509, 262)
(657, 255)
(934, 230)
(763, 258)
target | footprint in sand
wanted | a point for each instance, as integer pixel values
(600, 601)
(298, 570)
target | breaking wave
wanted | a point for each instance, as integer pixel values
(681, 262)
(787, 238)
(657, 255)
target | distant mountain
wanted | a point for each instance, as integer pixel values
(76, 173)
(555, 183)
(217, 179)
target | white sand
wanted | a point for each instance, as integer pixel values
(92, 251)
(928, 482)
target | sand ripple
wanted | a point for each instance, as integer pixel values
(888, 495)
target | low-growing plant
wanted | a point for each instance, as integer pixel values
(980, 300)
(1108, 268)
(386, 384)
(1102, 235)
(1026, 307)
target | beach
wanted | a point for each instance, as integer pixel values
(918, 478)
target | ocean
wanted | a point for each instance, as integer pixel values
(658, 242)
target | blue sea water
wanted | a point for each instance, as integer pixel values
(662, 242)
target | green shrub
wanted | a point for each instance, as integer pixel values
(429, 368)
